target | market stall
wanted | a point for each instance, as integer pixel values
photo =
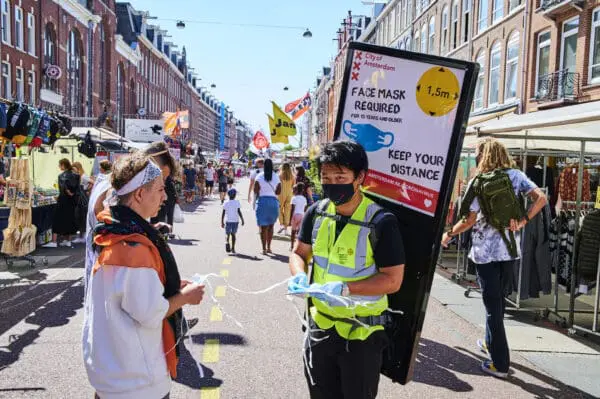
(565, 148)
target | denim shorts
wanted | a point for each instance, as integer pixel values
(231, 227)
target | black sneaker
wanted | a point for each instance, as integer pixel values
(227, 247)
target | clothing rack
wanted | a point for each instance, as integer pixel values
(594, 329)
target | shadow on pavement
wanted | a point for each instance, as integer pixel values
(184, 242)
(437, 365)
(280, 258)
(189, 375)
(245, 257)
(52, 314)
(558, 390)
(224, 338)
(24, 389)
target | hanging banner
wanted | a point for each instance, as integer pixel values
(260, 141)
(297, 108)
(409, 111)
(285, 126)
(276, 137)
(173, 122)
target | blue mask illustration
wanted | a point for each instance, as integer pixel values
(367, 135)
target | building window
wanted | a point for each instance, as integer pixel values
(480, 85)
(102, 62)
(454, 26)
(466, 9)
(31, 34)
(19, 28)
(497, 10)
(494, 85)
(432, 35)
(399, 12)
(424, 39)
(20, 84)
(74, 75)
(542, 58)
(417, 42)
(408, 43)
(594, 74)
(512, 65)
(512, 4)
(482, 23)
(6, 89)
(120, 98)
(568, 53)
(31, 85)
(409, 13)
(49, 55)
(444, 30)
(418, 7)
(6, 21)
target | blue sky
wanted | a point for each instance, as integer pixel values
(251, 66)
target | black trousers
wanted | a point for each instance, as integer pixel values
(343, 369)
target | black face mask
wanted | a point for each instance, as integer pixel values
(339, 194)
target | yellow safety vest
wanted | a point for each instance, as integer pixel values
(347, 258)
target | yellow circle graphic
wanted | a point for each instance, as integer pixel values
(438, 91)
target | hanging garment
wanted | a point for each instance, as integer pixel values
(567, 185)
(17, 120)
(536, 274)
(3, 120)
(588, 245)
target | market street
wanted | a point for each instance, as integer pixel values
(41, 319)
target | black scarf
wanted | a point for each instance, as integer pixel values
(126, 222)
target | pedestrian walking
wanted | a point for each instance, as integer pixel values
(230, 177)
(298, 207)
(230, 219)
(81, 201)
(493, 258)
(344, 353)
(189, 174)
(130, 340)
(259, 165)
(266, 189)
(222, 176)
(65, 222)
(285, 198)
(209, 175)
(302, 178)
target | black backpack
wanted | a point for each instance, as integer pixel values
(87, 147)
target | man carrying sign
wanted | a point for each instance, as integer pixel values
(355, 266)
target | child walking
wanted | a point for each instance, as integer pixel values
(299, 204)
(230, 218)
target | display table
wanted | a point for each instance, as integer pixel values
(41, 217)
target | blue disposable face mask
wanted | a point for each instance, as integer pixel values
(367, 135)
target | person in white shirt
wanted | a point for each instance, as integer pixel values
(299, 204)
(260, 163)
(209, 178)
(266, 189)
(230, 219)
(132, 312)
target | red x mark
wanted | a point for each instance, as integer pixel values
(359, 55)
(354, 75)
(357, 66)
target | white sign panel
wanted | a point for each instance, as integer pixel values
(402, 112)
(140, 130)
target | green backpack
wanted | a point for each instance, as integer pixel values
(498, 202)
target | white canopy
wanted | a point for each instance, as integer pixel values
(559, 129)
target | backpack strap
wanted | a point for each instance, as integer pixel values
(470, 194)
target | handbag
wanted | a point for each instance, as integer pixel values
(178, 214)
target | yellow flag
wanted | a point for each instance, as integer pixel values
(284, 125)
(276, 137)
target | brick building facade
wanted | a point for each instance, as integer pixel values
(98, 59)
(563, 54)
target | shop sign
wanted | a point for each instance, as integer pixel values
(143, 130)
(53, 71)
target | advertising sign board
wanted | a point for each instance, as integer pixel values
(409, 112)
(141, 130)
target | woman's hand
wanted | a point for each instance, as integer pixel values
(184, 283)
(446, 240)
(193, 293)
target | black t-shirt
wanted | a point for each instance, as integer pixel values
(389, 249)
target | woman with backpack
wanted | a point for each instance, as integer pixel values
(492, 208)
(65, 224)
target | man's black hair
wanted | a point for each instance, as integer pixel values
(344, 153)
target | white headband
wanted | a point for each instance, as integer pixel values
(146, 175)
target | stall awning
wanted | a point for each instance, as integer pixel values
(556, 126)
(553, 117)
(97, 133)
(477, 119)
